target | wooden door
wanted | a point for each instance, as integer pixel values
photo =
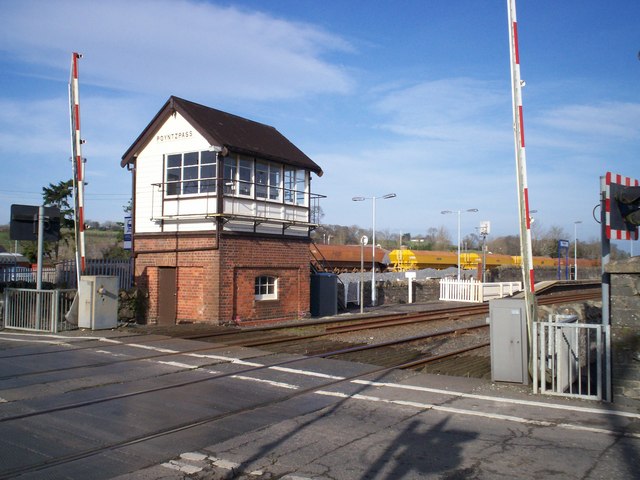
(167, 296)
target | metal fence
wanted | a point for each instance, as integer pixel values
(64, 273)
(123, 269)
(454, 290)
(568, 358)
(25, 274)
(37, 310)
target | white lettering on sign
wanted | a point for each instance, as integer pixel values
(169, 137)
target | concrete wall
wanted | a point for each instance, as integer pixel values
(514, 274)
(625, 328)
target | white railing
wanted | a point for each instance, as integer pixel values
(37, 310)
(568, 359)
(453, 290)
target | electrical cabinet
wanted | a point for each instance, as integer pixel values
(509, 345)
(324, 294)
(98, 302)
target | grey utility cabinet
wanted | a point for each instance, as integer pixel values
(98, 302)
(509, 346)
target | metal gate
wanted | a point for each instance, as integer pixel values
(37, 310)
(568, 358)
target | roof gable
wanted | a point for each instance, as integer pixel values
(235, 133)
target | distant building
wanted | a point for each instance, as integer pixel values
(8, 259)
(222, 215)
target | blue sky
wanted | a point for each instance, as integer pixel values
(411, 97)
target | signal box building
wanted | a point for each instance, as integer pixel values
(222, 216)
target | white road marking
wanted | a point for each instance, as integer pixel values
(306, 373)
(493, 416)
(531, 403)
(178, 364)
(269, 382)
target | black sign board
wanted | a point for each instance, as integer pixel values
(24, 223)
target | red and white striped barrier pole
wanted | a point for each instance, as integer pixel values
(78, 164)
(521, 167)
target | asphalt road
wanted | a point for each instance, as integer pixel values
(108, 405)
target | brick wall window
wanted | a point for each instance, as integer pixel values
(266, 288)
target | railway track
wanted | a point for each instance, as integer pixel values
(40, 466)
(469, 359)
(324, 336)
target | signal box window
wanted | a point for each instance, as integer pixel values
(191, 173)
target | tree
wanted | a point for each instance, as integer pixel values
(60, 196)
(438, 239)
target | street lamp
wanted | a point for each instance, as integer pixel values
(575, 249)
(445, 212)
(373, 242)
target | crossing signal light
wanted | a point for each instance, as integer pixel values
(621, 207)
(628, 200)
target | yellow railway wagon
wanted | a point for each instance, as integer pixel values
(405, 259)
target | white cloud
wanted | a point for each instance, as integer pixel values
(162, 46)
(445, 109)
(610, 120)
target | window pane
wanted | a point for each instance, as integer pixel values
(190, 187)
(229, 174)
(245, 171)
(172, 188)
(174, 161)
(207, 157)
(274, 183)
(173, 175)
(262, 173)
(190, 158)
(207, 171)
(262, 176)
(208, 186)
(190, 173)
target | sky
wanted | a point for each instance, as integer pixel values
(408, 97)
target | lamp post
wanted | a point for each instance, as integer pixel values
(445, 212)
(363, 241)
(575, 249)
(373, 242)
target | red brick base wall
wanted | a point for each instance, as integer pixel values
(217, 285)
(196, 261)
(246, 258)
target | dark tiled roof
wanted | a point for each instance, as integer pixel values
(223, 129)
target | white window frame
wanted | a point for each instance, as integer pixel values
(239, 175)
(266, 287)
(181, 187)
(269, 188)
(296, 185)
